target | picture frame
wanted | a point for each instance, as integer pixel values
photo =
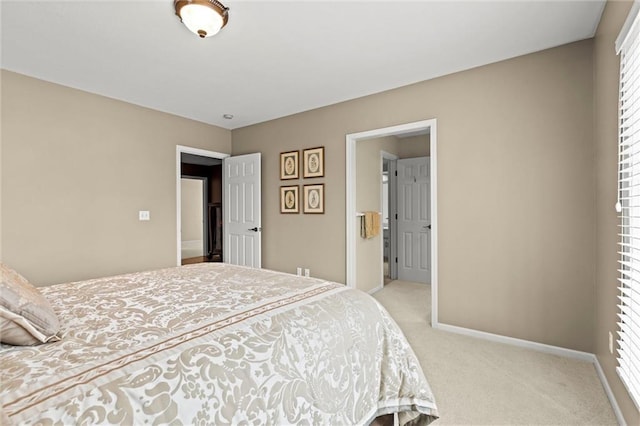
(290, 199)
(313, 199)
(289, 165)
(313, 162)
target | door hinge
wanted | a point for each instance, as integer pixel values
(396, 260)
(396, 216)
(396, 173)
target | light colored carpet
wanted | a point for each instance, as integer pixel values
(481, 382)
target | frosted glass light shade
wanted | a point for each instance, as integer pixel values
(202, 17)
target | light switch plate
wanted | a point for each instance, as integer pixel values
(144, 215)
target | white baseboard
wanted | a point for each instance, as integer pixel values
(541, 347)
(608, 391)
(377, 289)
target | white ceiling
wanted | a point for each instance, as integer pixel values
(274, 58)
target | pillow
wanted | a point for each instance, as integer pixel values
(26, 317)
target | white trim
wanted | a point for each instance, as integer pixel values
(201, 152)
(187, 150)
(351, 140)
(527, 344)
(351, 212)
(433, 176)
(608, 391)
(377, 289)
(628, 25)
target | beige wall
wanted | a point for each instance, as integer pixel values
(76, 168)
(192, 223)
(414, 146)
(515, 186)
(368, 187)
(606, 72)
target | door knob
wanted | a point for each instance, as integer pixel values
(427, 226)
(254, 229)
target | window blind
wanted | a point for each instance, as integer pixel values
(628, 206)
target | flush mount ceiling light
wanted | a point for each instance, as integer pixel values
(203, 17)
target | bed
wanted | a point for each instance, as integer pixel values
(216, 344)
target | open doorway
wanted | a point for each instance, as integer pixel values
(199, 205)
(358, 277)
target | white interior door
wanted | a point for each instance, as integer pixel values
(414, 220)
(242, 223)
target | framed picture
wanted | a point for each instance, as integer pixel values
(289, 165)
(289, 199)
(314, 198)
(313, 162)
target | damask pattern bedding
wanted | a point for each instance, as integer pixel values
(215, 344)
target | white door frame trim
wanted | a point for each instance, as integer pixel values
(187, 150)
(351, 140)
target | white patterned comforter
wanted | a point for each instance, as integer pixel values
(215, 344)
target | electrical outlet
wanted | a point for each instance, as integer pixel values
(299, 271)
(144, 215)
(307, 273)
(610, 342)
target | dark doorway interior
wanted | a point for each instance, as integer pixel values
(210, 168)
